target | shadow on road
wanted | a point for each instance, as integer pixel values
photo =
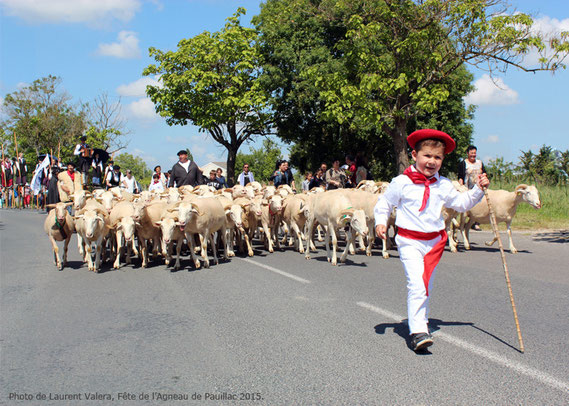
(402, 330)
(558, 236)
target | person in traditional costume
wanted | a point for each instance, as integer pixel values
(419, 195)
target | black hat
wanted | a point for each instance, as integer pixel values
(182, 152)
(83, 138)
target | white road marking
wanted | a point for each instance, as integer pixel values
(270, 268)
(492, 356)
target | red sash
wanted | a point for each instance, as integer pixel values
(433, 257)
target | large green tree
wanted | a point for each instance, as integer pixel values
(212, 81)
(41, 118)
(383, 67)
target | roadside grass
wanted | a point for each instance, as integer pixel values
(553, 215)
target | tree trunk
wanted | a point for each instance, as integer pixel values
(399, 137)
(231, 158)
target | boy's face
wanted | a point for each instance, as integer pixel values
(429, 159)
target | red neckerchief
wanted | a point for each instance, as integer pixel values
(419, 178)
(71, 175)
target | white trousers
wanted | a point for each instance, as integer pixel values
(411, 253)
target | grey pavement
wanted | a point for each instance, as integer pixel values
(245, 330)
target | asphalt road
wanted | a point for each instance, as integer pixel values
(276, 329)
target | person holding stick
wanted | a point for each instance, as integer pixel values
(419, 195)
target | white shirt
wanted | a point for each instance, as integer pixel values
(185, 165)
(130, 183)
(408, 197)
(156, 186)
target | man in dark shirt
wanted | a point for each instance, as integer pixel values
(185, 172)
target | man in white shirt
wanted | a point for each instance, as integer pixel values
(129, 183)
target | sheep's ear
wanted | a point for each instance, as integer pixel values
(68, 204)
(158, 223)
(51, 205)
(196, 209)
(88, 194)
(227, 207)
(79, 216)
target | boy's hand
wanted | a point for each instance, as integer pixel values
(380, 231)
(483, 181)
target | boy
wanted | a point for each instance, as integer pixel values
(419, 195)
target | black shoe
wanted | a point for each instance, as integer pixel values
(421, 341)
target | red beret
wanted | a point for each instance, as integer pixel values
(420, 135)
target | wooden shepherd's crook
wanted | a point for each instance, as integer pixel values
(494, 224)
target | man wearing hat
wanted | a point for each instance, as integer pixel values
(185, 172)
(419, 195)
(83, 152)
(68, 182)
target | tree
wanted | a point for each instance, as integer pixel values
(261, 161)
(140, 171)
(212, 81)
(107, 127)
(380, 65)
(299, 35)
(42, 119)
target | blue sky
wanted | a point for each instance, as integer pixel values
(101, 46)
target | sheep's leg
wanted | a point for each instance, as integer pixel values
(119, 248)
(370, 237)
(190, 238)
(55, 252)
(134, 250)
(144, 251)
(65, 247)
(268, 239)
(513, 249)
(350, 237)
(248, 243)
(466, 233)
(89, 256)
(212, 242)
(129, 245)
(98, 249)
(179, 243)
(327, 243)
(203, 244)
(318, 231)
(229, 242)
(332, 233)
(168, 256)
(310, 228)
(81, 246)
(223, 234)
(298, 237)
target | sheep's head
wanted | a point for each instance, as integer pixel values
(530, 195)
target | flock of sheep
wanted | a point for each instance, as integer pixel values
(109, 221)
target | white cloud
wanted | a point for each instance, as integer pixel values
(137, 88)
(71, 11)
(492, 139)
(491, 92)
(548, 27)
(143, 155)
(213, 158)
(125, 48)
(143, 109)
(174, 140)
